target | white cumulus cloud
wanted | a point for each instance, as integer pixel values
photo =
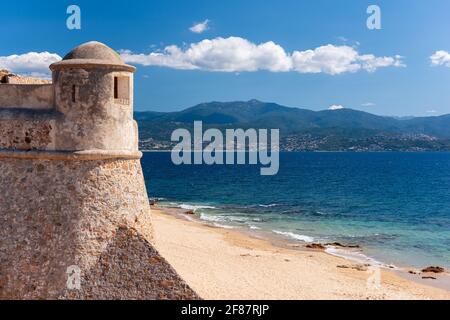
(335, 107)
(371, 63)
(440, 58)
(235, 54)
(340, 59)
(232, 54)
(327, 59)
(31, 63)
(200, 27)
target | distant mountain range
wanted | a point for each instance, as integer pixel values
(302, 129)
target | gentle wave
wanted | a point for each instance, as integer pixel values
(222, 226)
(356, 256)
(224, 219)
(208, 217)
(295, 236)
(194, 207)
(156, 199)
(238, 219)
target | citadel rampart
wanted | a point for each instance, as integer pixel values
(72, 192)
(27, 96)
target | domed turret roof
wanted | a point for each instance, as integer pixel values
(92, 53)
(94, 50)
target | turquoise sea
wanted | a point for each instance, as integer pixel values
(395, 205)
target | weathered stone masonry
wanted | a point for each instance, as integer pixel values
(72, 191)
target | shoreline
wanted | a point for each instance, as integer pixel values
(351, 251)
(222, 263)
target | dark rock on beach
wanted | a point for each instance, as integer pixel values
(317, 246)
(338, 244)
(433, 270)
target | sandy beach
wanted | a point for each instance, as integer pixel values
(228, 264)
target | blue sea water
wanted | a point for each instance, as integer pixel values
(395, 205)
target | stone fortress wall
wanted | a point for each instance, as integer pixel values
(72, 192)
(25, 112)
(11, 78)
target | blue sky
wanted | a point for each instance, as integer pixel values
(267, 33)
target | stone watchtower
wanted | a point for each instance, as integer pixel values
(74, 213)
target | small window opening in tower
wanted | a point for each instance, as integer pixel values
(122, 90)
(74, 93)
(116, 89)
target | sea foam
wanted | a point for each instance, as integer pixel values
(194, 207)
(295, 236)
